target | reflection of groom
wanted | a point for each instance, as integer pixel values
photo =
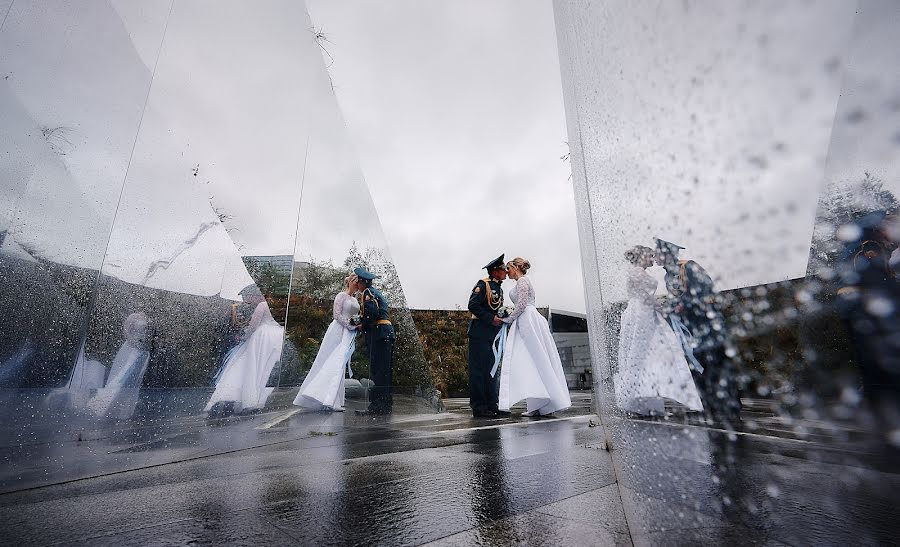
(697, 307)
(485, 302)
(379, 333)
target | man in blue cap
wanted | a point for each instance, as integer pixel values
(379, 334)
(485, 303)
(698, 308)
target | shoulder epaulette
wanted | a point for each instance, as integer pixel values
(369, 294)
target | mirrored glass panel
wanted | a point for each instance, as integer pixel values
(181, 205)
(73, 87)
(189, 323)
(735, 171)
(334, 318)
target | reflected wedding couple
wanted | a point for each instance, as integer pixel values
(653, 362)
(323, 388)
(241, 383)
(674, 351)
(515, 342)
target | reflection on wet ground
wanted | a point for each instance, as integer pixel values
(323, 479)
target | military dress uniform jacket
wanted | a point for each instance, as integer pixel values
(693, 289)
(375, 322)
(485, 302)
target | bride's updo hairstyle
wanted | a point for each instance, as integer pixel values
(352, 278)
(636, 253)
(520, 263)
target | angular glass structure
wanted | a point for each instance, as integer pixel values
(750, 150)
(179, 205)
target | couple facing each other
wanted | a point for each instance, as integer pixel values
(514, 342)
(323, 388)
(674, 351)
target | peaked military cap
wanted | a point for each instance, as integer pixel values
(363, 273)
(662, 244)
(251, 290)
(496, 263)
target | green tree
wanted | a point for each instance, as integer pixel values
(842, 204)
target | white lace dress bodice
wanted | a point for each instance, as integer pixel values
(641, 286)
(345, 307)
(522, 296)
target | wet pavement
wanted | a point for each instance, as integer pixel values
(292, 477)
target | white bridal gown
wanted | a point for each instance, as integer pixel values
(652, 365)
(531, 369)
(249, 364)
(119, 397)
(324, 385)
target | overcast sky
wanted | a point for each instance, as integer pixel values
(455, 110)
(448, 119)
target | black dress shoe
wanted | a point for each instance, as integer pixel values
(503, 413)
(484, 414)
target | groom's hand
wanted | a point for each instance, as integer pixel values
(496, 321)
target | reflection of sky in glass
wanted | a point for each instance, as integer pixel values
(73, 89)
(222, 138)
(866, 133)
(706, 126)
(238, 94)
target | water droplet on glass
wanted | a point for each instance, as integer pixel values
(879, 306)
(849, 232)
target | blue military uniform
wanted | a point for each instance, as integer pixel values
(485, 303)
(379, 335)
(699, 310)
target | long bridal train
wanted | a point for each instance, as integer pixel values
(324, 385)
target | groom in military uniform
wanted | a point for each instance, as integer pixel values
(485, 303)
(379, 334)
(698, 308)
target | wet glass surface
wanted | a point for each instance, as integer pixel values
(735, 172)
(176, 218)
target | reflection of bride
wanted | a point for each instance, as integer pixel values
(324, 385)
(118, 397)
(242, 380)
(652, 365)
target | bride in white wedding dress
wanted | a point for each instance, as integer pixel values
(652, 366)
(531, 368)
(242, 382)
(119, 395)
(324, 385)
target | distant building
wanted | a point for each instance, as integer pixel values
(281, 264)
(570, 332)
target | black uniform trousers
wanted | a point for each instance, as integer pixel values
(718, 384)
(483, 394)
(380, 342)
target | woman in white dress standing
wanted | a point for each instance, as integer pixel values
(119, 396)
(241, 386)
(323, 387)
(652, 365)
(531, 369)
